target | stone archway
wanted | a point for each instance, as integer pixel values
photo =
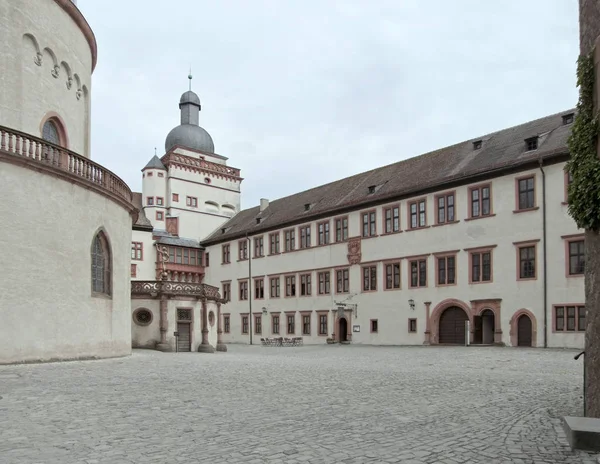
(480, 306)
(434, 325)
(514, 327)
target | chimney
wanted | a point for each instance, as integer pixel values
(264, 204)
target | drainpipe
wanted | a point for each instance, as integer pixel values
(544, 258)
(249, 286)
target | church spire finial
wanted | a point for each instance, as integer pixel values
(190, 77)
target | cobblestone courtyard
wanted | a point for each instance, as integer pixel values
(314, 404)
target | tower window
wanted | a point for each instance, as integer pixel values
(477, 145)
(54, 132)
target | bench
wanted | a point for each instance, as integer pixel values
(282, 341)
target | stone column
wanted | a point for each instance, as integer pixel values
(427, 327)
(164, 325)
(220, 345)
(205, 347)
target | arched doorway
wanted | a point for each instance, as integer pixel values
(524, 331)
(343, 330)
(453, 326)
(484, 327)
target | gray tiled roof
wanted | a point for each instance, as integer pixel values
(142, 221)
(457, 163)
(178, 241)
(155, 163)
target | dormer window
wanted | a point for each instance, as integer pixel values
(372, 188)
(258, 220)
(306, 206)
(477, 145)
(531, 143)
(568, 119)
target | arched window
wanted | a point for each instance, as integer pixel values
(101, 265)
(50, 132)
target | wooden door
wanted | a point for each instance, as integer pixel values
(453, 326)
(343, 329)
(524, 331)
(184, 340)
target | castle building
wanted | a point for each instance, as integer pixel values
(471, 243)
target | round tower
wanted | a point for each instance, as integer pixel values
(154, 191)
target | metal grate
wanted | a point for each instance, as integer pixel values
(184, 314)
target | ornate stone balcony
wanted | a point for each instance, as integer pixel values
(156, 288)
(35, 153)
(202, 165)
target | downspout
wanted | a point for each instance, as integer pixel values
(249, 286)
(544, 253)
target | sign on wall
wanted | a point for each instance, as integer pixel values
(356, 328)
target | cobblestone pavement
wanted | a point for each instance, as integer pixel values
(312, 404)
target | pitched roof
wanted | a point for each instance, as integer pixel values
(499, 151)
(176, 241)
(142, 221)
(155, 163)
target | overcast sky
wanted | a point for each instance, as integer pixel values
(300, 93)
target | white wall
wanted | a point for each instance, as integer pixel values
(146, 268)
(391, 308)
(28, 92)
(47, 310)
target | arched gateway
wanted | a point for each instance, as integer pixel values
(453, 327)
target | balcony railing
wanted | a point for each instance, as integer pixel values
(45, 153)
(192, 290)
(202, 164)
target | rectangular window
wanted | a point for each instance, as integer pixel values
(576, 257)
(244, 324)
(259, 249)
(418, 214)
(324, 283)
(291, 324)
(192, 202)
(369, 226)
(274, 283)
(160, 174)
(392, 276)
(305, 241)
(226, 323)
(341, 229)
(243, 250)
(568, 182)
(259, 289)
(481, 266)
(160, 201)
(445, 208)
(526, 188)
(480, 201)
(323, 228)
(133, 270)
(275, 324)
(412, 325)
(290, 286)
(258, 325)
(244, 290)
(305, 324)
(374, 326)
(418, 273)
(305, 289)
(227, 291)
(137, 251)
(160, 216)
(290, 240)
(342, 277)
(446, 270)
(369, 278)
(175, 198)
(149, 201)
(392, 219)
(527, 262)
(274, 243)
(323, 324)
(226, 254)
(569, 318)
(206, 259)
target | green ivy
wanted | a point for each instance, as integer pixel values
(584, 165)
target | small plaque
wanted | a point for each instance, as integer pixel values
(356, 328)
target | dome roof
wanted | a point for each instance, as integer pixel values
(190, 97)
(190, 136)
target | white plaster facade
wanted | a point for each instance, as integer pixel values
(47, 308)
(502, 232)
(49, 62)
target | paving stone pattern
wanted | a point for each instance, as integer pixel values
(312, 404)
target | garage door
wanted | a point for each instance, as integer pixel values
(452, 326)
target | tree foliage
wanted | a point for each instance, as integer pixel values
(584, 165)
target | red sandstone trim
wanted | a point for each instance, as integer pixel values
(61, 127)
(526, 244)
(444, 195)
(514, 321)
(479, 187)
(534, 207)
